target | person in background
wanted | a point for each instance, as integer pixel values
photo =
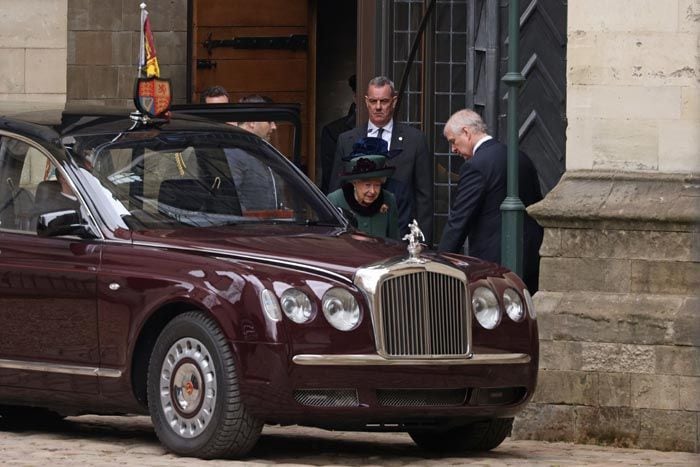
(214, 95)
(476, 208)
(258, 188)
(364, 173)
(262, 129)
(329, 137)
(412, 181)
(256, 184)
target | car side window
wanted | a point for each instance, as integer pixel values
(136, 175)
(28, 185)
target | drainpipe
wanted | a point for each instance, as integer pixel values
(512, 209)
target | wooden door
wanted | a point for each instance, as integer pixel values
(259, 47)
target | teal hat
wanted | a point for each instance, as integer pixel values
(367, 160)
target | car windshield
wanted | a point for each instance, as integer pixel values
(164, 181)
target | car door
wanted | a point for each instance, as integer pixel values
(48, 336)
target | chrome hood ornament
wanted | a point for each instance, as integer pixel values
(414, 237)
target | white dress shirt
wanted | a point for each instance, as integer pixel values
(386, 134)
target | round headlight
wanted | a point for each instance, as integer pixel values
(485, 305)
(530, 304)
(513, 305)
(270, 305)
(341, 309)
(297, 306)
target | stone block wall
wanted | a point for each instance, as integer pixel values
(619, 312)
(633, 101)
(619, 299)
(33, 51)
(103, 48)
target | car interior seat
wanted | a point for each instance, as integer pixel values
(16, 211)
(207, 195)
(46, 191)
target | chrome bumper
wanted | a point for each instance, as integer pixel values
(378, 360)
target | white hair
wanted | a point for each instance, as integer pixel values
(466, 118)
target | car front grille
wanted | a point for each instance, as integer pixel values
(421, 397)
(423, 314)
(327, 397)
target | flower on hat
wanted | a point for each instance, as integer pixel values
(364, 165)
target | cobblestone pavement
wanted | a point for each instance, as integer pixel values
(130, 441)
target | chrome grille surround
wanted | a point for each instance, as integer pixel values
(419, 309)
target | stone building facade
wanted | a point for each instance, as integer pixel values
(103, 47)
(33, 51)
(619, 305)
(85, 51)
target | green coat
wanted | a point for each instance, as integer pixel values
(380, 224)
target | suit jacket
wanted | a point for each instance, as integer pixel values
(412, 181)
(476, 212)
(329, 141)
(256, 184)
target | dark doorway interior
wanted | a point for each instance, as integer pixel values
(335, 61)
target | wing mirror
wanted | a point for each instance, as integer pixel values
(65, 222)
(349, 215)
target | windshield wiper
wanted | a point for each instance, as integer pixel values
(310, 222)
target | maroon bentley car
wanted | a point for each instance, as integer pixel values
(185, 269)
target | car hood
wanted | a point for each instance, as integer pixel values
(326, 248)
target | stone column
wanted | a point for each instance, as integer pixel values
(619, 299)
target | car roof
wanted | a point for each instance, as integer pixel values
(51, 114)
(50, 122)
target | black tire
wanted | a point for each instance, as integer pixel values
(197, 410)
(28, 417)
(478, 436)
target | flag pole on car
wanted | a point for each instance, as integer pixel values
(152, 94)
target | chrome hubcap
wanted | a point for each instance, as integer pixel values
(188, 387)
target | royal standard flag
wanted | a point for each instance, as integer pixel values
(148, 62)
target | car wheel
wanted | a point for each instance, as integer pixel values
(478, 436)
(28, 417)
(193, 393)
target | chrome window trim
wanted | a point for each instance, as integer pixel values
(44, 367)
(369, 280)
(378, 360)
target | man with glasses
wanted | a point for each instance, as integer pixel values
(412, 181)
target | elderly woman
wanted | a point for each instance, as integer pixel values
(364, 173)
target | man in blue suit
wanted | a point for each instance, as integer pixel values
(482, 187)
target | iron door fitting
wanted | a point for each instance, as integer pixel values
(290, 42)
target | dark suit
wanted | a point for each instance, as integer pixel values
(329, 141)
(411, 183)
(476, 212)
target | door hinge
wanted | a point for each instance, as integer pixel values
(290, 42)
(205, 64)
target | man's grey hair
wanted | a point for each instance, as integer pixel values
(466, 118)
(381, 81)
